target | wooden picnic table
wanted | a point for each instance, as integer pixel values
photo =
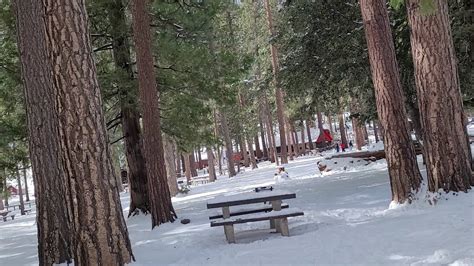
(7, 207)
(275, 197)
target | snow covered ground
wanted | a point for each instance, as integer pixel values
(346, 222)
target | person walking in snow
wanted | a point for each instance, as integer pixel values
(281, 175)
(351, 145)
(337, 146)
(343, 147)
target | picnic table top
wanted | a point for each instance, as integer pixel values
(249, 198)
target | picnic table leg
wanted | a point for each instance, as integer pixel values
(284, 227)
(276, 205)
(225, 212)
(229, 233)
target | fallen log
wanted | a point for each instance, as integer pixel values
(366, 155)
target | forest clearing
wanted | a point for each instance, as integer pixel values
(237, 132)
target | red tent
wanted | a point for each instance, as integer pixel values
(325, 137)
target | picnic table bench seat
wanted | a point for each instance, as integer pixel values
(268, 208)
(280, 216)
(4, 217)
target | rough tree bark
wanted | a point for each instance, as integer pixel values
(99, 232)
(161, 208)
(52, 201)
(447, 152)
(130, 116)
(211, 164)
(170, 162)
(405, 177)
(278, 91)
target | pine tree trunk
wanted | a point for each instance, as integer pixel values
(243, 147)
(258, 150)
(342, 128)
(381, 131)
(270, 133)
(162, 210)
(303, 137)
(376, 134)
(238, 151)
(130, 115)
(216, 135)
(308, 130)
(52, 200)
(278, 91)
(170, 161)
(448, 157)
(289, 141)
(358, 130)
(99, 230)
(331, 126)
(320, 123)
(414, 114)
(228, 144)
(366, 133)
(219, 160)
(199, 158)
(271, 141)
(20, 191)
(5, 192)
(193, 164)
(296, 144)
(405, 178)
(262, 136)
(253, 161)
(211, 164)
(25, 183)
(178, 161)
(187, 167)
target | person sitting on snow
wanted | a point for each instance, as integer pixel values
(281, 174)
